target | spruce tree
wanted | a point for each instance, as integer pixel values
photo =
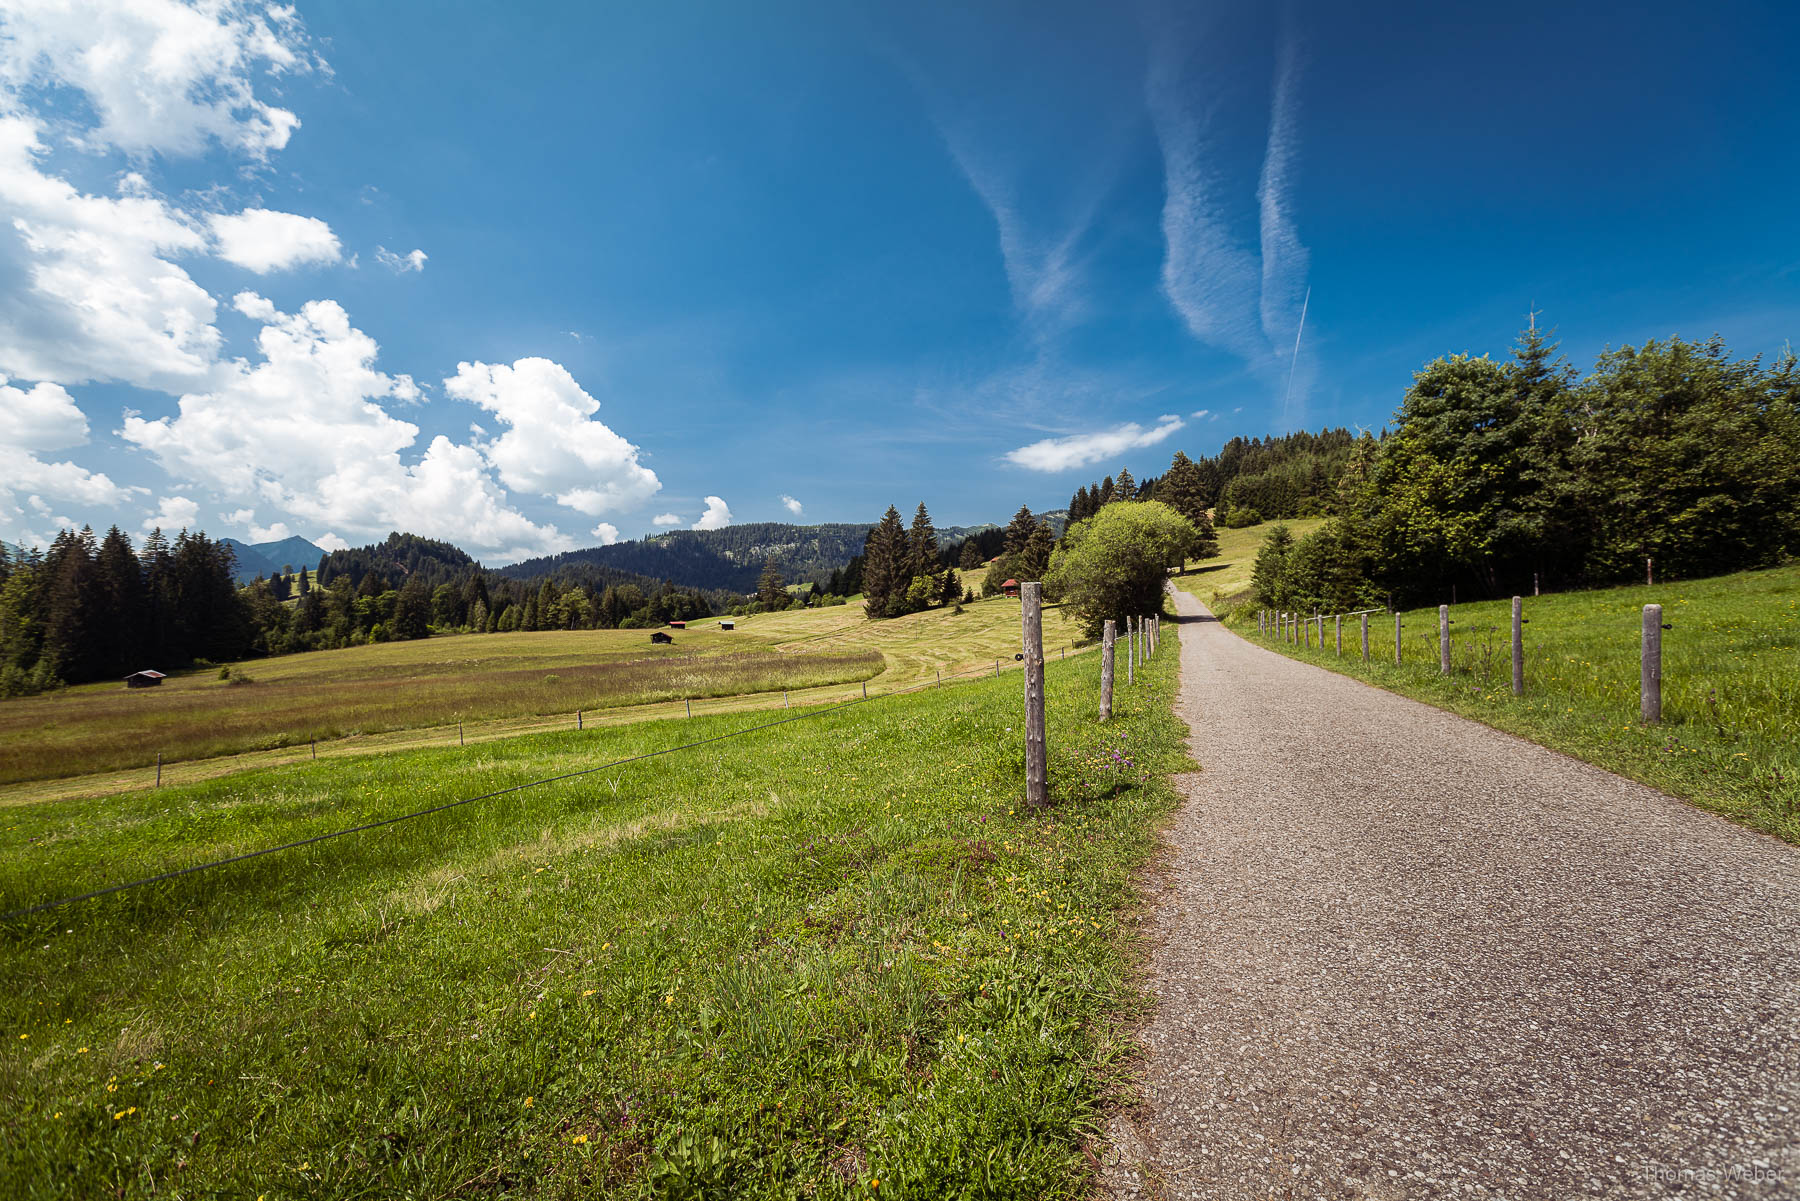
(771, 589)
(970, 559)
(1107, 493)
(885, 555)
(1126, 488)
(922, 543)
(1019, 532)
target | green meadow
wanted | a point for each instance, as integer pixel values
(831, 958)
(1729, 740)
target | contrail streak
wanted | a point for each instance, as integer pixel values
(1294, 360)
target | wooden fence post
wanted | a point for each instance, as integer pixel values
(1108, 637)
(1037, 778)
(1518, 646)
(1365, 636)
(1396, 638)
(1444, 640)
(690, 702)
(1650, 675)
(159, 769)
(577, 719)
(1130, 651)
(459, 740)
(1340, 635)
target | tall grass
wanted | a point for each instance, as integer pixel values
(796, 963)
(1730, 735)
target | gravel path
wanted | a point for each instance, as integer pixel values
(1397, 954)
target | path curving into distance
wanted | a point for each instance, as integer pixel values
(1397, 954)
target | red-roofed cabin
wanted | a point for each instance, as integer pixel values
(143, 679)
(1011, 588)
(678, 625)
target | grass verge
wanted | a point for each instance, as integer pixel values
(799, 962)
(1729, 740)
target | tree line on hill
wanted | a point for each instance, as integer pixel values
(1505, 477)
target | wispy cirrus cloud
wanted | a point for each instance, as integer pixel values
(1243, 299)
(1079, 450)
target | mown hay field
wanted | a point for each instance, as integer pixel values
(104, 738)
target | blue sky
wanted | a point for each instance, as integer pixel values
(530, 279)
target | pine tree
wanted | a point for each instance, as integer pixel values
(922, 543)
(1019, 532)
(1034, 563)
(1107, 493)
(771, 590)
(885, 556)
(970, 559)
(1126, 488)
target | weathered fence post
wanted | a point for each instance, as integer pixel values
(1037, 779)
(1518, 646)
(1130, 651)
(1365, 636)
(1340, 635)
(1649, 575)
(996, 669)
(1108, 637)
(1444, 640)
(865, 685)
(1650, 677)
(1396, 638)
(577, 719)
(690, 701)
(459, 740)
(1262, 625)
(159, 769)
(784, 698)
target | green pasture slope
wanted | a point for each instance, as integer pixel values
(1730, 736)
(830, 958)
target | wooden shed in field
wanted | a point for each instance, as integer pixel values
(144, 679)
(728, 625)
(678, 625)
(1011, 588)
(659, 636)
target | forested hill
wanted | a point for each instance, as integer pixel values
(730, 559)
(398, 559)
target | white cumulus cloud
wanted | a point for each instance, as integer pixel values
(551, 445)
(666, 519)
(791, 505)
(717, 515)
(173, 514)
(607, 532)
(45, 418)
(262, 240)
(400, 264)
(1078, 450)
(87, 291)
(160, 77)
(304, 432)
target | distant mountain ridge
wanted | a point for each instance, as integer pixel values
(732, 559)
(268, 558)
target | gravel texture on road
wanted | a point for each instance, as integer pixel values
(1396, 954)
